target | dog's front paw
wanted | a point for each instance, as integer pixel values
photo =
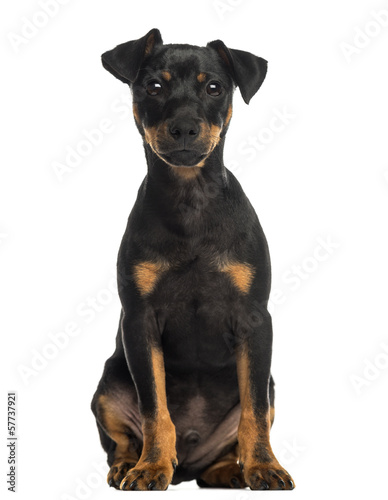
(149, 476)
(117, 472)
(268, 476)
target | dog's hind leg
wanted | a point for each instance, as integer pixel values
(120, 436)
(224, 473)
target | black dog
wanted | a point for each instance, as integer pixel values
(188, 393)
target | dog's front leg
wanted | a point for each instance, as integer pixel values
(144, 355)
(253, 352)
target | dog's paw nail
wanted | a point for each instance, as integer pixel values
(291, 484)
(111, 482)
(151, 485)
(124, 485)
(133, 485)
(281, 483)
(235, 483)
(263, 485)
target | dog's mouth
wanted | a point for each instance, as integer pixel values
(184, 158)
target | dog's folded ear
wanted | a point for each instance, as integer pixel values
(124, 61)
(247, 70)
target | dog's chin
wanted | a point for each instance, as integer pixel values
(183, 158)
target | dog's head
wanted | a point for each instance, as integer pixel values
(182, 94)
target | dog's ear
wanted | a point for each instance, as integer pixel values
(124, 61)
(247, 70)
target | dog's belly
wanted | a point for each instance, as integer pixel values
(201, 385)
(200, 363)
(203, 430)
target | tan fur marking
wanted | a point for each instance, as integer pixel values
(256, 454)
(241, 274)
(116, 430)
(228, 116)
(161, 427)
(210, 135)
(166, 75)
(187, 172)
(272, 414)
(221, 472)
(201, 77)
(150, 135)
(136, 113)
(147, 274)
(251, 429)
(158, 435)
(215, 132)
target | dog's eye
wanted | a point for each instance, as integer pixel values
(214, 89)
(153, 88)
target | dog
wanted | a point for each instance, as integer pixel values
(188, 393)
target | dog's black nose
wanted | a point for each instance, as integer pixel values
(184, 129)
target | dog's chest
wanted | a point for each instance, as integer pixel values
(193, 301)
(201, 277)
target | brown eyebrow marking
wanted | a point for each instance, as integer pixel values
(201, 77)
(166, 75)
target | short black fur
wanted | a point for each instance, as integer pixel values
(193, 267)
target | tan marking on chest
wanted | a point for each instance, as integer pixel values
(240, 273)
(147, 274)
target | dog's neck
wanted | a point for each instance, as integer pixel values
(186, 197)
(176, 181)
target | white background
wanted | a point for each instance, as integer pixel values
(322, 177)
